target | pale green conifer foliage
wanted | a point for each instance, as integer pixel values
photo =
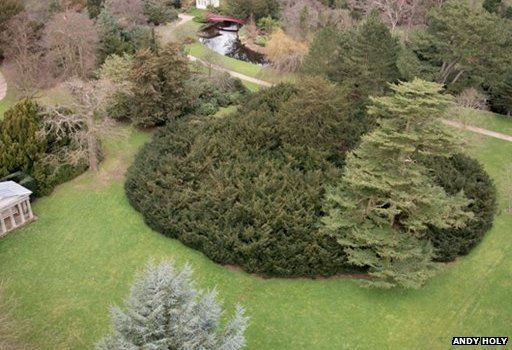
(386, 199)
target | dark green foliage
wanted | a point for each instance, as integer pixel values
(500, 94)
(255, 8)
(465, 45)
(159, 12)
(410, 66)
(208, 95)
(115, 39)
(492, 6)
(508, 12)
(20, 145)
(364, 59)
(24, 150)
(461, 173)
(94, 7)
(247, 189)
(320, 59)
(381, 207)
(120, 107)
(159, 93)
(48, 176)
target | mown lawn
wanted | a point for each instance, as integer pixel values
(6, 102)
(483, 119)
(62, 272)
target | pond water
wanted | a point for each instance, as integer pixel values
(227, 43)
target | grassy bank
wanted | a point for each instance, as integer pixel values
(246, 68)
(62, 272)
(483, 119)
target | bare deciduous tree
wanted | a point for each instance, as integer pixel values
(84, 123)
(72, 43)
(24, 65)
(128, 13)
(300, 16)
(397, 12)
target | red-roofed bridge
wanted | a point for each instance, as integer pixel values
(215, 18)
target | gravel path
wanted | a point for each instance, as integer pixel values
(183, 19)
(478, 130)
(232, 73)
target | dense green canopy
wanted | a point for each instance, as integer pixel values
(247, 189)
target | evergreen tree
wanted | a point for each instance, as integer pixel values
(501, 94)
(493, 6)
(113, 38)
(94, 7)
(363, 59)
(166, 311)
(20, 143)
(159, 86)
(465, 43)
(320, 60)
(386, 200)
(255, 8)
(368, 61)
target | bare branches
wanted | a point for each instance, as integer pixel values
(83, 124)
(72, 43)
(396, 12)
(25, 65)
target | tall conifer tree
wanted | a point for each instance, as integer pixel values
(386, 199)
(364, 59)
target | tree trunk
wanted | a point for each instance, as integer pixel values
(92, 143)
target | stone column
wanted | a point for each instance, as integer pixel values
(2, 225)
(22, 215)
(13, 222)
(29, 208)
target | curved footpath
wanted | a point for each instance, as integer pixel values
(232, 73)
(3, 87)
(185, 18)
(497, 135)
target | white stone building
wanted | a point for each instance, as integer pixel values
(15, 209)
(203, 4)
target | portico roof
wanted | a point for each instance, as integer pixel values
(11, 192)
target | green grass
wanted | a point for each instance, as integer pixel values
(188, 32)
(197, 67)
(246, 68)
(253, 87)
(7, 102)
(170, 33)
(483, 119)
(62, 272)
(194, 11)
(54, 96)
